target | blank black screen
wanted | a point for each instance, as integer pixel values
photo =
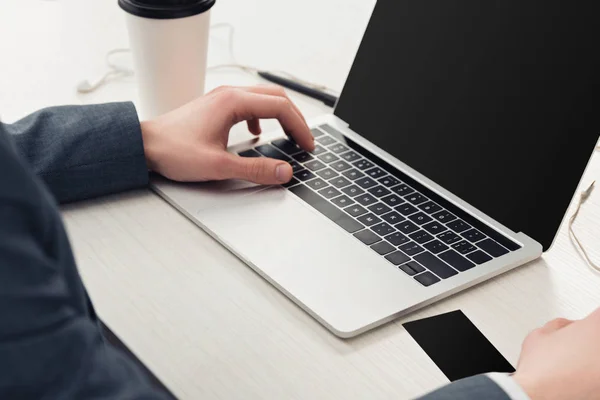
(497, 101)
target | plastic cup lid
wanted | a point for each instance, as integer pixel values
(166, 9)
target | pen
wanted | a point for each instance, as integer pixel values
(326, 98)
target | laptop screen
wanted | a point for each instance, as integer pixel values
(496, 101)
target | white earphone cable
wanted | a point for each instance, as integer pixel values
(118, 72)
(573, 236)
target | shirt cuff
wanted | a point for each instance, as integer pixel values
(509, 385)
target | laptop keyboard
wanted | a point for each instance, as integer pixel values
(384, 209)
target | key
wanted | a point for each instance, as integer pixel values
(329, 192)
(397, 258)
(328, 157)
(382, 229)
(388, 181)
(420, 218)
(340, 166)
(396, 238)
(369, 219)
(356, 210)
(379, 191)
(349, 224)
(492, 248)
(416, 198)
(458, 226)
(350, 156)
(353, 191)
(314, 165)
(269, 151)
(302, 157)
(366, 199)
(473, 235)
(287, 146)
(449, 237)
(338, 148)
(325, 140)
(291, 183)
(339, 182)
(479, 257)
(295, 166)
(430, 207)
(317, 184)
(434, 227)
(407, 227)
(363, 164)
(444, 216)
(366, 182)
(304, 175)
(435, 265)
(421, 237)
(353, 174)
(318, 150)
(392, 218)
(250, 153)
(435, 246)
(463, 247)
(402, 189)
(383, 248)
(411, 248)
(415, 266)
(379, 209)
(367, 237)
(376, 173)
(326, 208)
(406, 209)
(327, 173)
(456, 260)
(392, 200)
(342, 201)
(427, 279)
(316, 133)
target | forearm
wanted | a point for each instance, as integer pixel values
(84, 151)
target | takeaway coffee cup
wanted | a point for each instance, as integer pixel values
(169, 44)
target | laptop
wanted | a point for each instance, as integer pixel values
(452, 155)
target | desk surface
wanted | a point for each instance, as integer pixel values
(206, 324)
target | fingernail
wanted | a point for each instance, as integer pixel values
(280, 173)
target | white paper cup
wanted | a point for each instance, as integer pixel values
(169, 44)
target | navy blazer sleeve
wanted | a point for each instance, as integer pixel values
(83, 151)
(51, 342)
(473, 388)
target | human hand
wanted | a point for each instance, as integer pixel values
(561, 360)
(189, 143)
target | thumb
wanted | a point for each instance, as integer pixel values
(262, 170)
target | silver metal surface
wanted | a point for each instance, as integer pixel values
(335, 278)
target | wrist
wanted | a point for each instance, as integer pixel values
(149, 138)
(532, 387)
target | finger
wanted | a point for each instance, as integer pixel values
(245, 106)
(262, 170)
(254, 126)
(273, 90)
(555, 325)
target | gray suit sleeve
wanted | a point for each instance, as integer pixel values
(473, 388)
(82, 152)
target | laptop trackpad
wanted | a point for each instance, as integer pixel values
(344, 283)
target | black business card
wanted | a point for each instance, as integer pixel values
(456, 346)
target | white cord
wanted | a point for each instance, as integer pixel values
(573, 237)
(116, 72)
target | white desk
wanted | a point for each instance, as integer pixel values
(198, 317)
